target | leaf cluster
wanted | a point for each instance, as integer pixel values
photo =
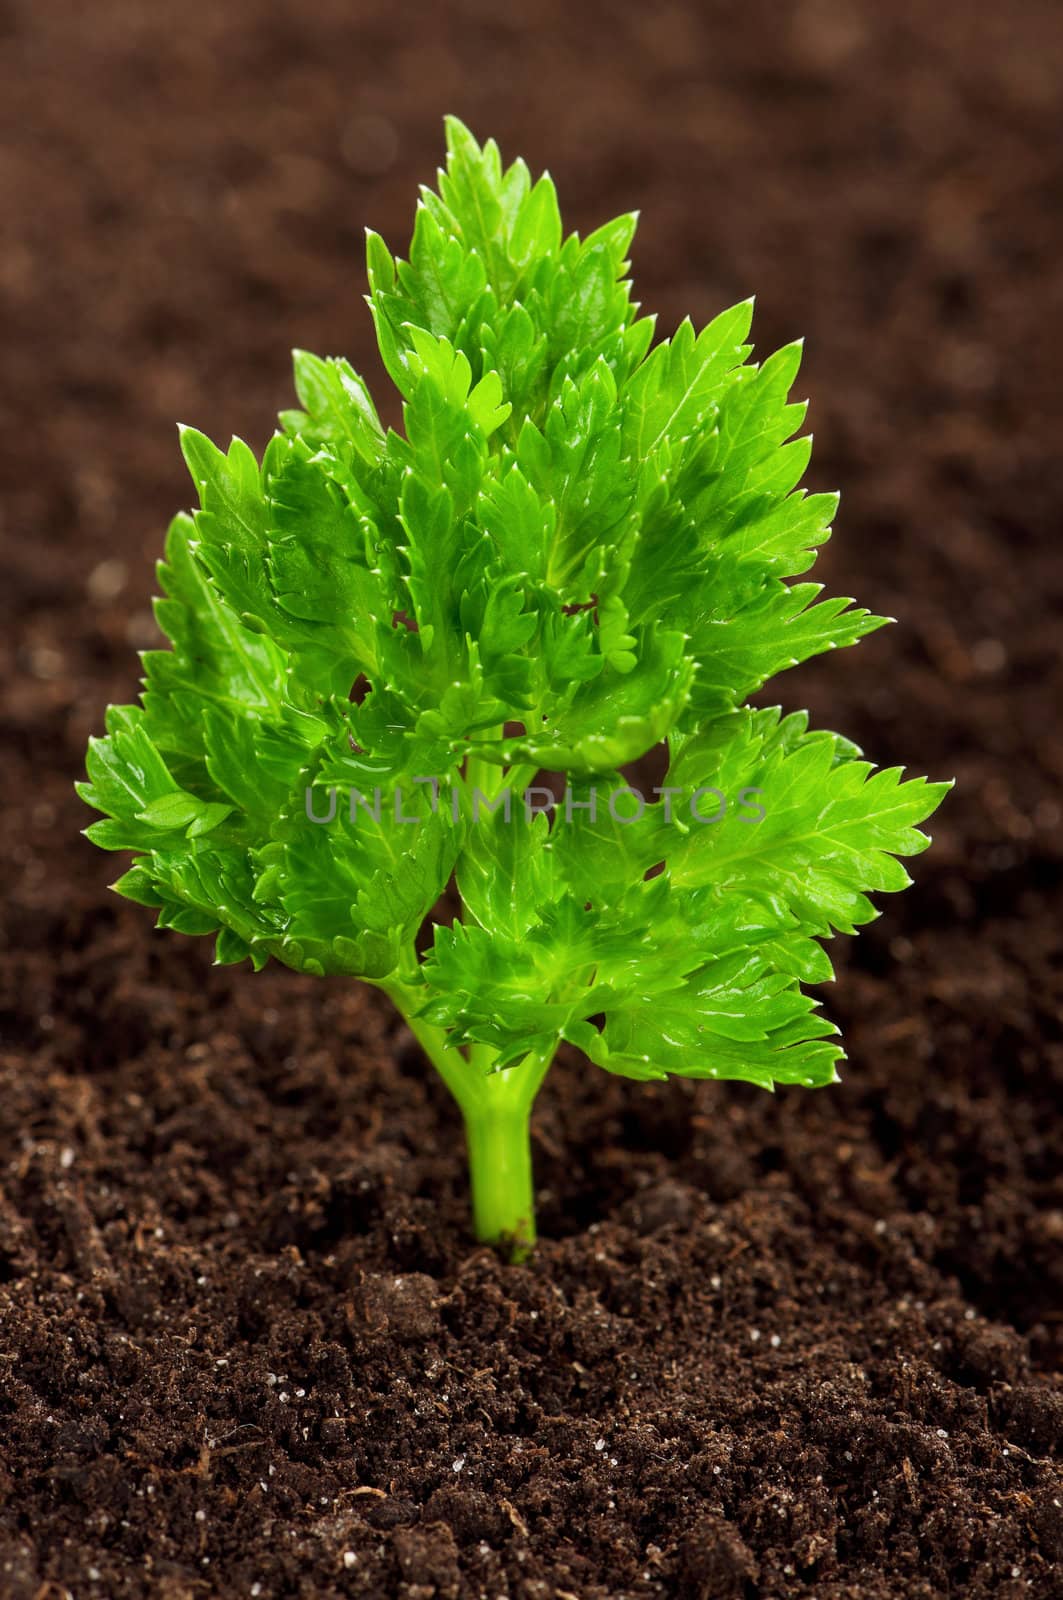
(579, 545)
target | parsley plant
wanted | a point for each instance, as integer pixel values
(577, 548)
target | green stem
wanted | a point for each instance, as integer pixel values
(498, 1139)
(496, 1107)
(452, 1065)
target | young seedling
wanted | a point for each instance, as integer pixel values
(577, 549)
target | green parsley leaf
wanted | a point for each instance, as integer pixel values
(579, 546)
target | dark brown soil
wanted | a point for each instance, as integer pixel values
(769, 1346)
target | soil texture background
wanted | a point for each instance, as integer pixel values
(769, 1346)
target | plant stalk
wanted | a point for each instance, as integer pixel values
(496, 1108)
(498, 1139)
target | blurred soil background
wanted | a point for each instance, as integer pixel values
(779, 1346)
